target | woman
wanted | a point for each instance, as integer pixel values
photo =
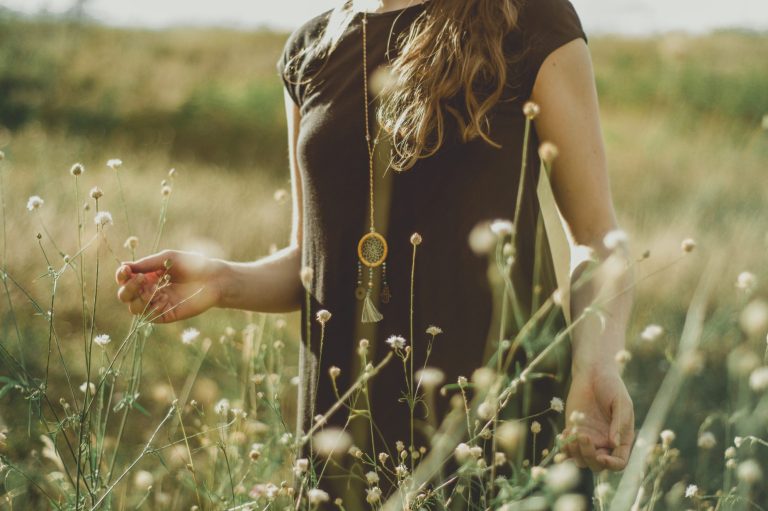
(452, 115)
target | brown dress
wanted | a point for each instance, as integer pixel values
(442, 198)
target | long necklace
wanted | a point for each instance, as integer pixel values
(372, 247)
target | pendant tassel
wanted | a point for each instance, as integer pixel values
(370, 313)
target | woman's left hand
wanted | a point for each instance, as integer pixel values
(606, 430)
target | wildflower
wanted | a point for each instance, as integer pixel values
(189, 335)
(570, 502)
(691, 491)
(102, 340)
(34, 202)
(255, 452)
(749, 471)
(486, 410)
(430, 377)
(531, 110)
(88, 385)
(481, 239)
(372, 478)
(373, 495)
(614, 239)
(535, 427)
(758, 380)
(396, 342)
(434, 330)
(416, 239)
(96, 193)
(499, 458)
(730, 464)
(563, 477)
(103, 218)
(651, 332)
(502, 228)
(334, 372)
(143, 479)
(483, 377)
(557, 405)
(323, 316)
(577, 417)
(754, 318)
(667, 437)
(623, 357)
(401, 471)
(538, 473)
(114, 163)
(383, 457)
(730, 452)
(306, 275)
(221, 407)
(603, 490)
(746, 281)
(280, 195)
(688, 245)
(707, 440)
(131, 242)
(317, 496)
(77, 169)
(332, 442)
(510, 435)
(165, 190)
(301, 466)
(737, 441)
(548, 152)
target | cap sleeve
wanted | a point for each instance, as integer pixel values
(547, 25)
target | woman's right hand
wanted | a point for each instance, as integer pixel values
(170, 285)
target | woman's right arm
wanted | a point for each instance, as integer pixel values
(197, 283)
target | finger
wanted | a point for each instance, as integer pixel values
(571, 450)
(613, 462)
(589, 455)
(131, 289)
(123, 273)
(151, 263)
(622, 422)
(137, 306)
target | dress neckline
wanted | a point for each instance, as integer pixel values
(393, 12)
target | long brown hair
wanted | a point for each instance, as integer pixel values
(453, 51)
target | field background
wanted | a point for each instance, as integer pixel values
(681, 117)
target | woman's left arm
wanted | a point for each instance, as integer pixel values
(565, 91)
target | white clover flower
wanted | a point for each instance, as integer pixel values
(651, 332)
(502, 228)
(691, 491)
(103, 218)
(317, 496)
(102, 339)
(707, 440)
(615, 239)
(114, 163)
(221, 407)
(323, 316)
(758, 380)
(557, 405)
(34, 203)
(746, 281)
(396, 342)
(189, 335)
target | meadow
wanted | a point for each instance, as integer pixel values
(685, 124)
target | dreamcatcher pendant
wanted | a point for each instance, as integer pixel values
(372, 253)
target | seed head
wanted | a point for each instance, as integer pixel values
(131, 242)
(166, 190)
(34, 203)
(688, 245)
(102, 340)
(96, 193)
(334, 372)
(77, 169)
(746, 281)
(502, 228)
(373, 495)
(434, 330)
(416, 239)
(615, 239)
(749, 471)
(323, 316)
(331, 442)
(651, 332)
(317, 496)
(548, 152)
(306, 274)
(531, 110)
(396, 342)
(557, 405)
(189, 335)
(103, 218)
(114, 163)
(691, 491)
(667, 437)
(535, 427)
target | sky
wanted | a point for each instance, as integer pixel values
(629, 17)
